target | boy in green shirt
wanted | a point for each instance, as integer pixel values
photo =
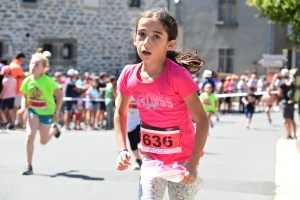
(209, 102)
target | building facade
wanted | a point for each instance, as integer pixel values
(228, 36)
(88, 35)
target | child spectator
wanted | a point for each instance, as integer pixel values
(209, 102)
(250, 101)
(91, 105)
(8, 95)
(77, 113)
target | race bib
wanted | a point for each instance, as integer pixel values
(37, 104)
(160, 140)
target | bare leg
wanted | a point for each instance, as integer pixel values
(294, 128)
(46, 133)
(12, 116)
(287, 126)
(3, 116)
(67, 115)
(31, 129)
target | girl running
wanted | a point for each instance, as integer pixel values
(38, 90)
(268, 99)
(167, 100)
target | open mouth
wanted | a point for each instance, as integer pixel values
(146, 53)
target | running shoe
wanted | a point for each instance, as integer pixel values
(288, 137)
(57, 127)
(247, 126)
(78, 129)
(137, 165)
(28, 170)
(270, 121)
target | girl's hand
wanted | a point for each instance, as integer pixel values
(123, 161)
(190, 175)
(56, 117)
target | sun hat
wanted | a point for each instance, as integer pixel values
(285, 72)
(72, 72)
(207, 73)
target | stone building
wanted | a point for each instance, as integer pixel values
(229, 37)
(89, 35)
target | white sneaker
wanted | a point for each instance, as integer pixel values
(247, 126)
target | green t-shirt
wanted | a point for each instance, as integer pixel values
(39, 94)
(109, 90)
(209, 101)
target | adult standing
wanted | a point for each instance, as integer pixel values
(18, 74)
(102, 88)
(242, 88)
(207, 78)
(286, 94)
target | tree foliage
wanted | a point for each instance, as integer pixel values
(282, 12)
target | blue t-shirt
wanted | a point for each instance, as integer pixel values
(79, 82)
(94, 92)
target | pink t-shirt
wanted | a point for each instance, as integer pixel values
(9, 87)
(161, 104)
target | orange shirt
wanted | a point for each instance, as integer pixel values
(17, 73)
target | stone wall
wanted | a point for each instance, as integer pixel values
(101, 28)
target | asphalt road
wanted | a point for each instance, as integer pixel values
(238, 164)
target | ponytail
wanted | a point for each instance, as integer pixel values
(187, 59)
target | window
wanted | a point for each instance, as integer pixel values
(29, 4)
(226, 11)
(64, 51)
(134, 3)
(67, 51)
(47, 47)
(226, 60)
(30, 1)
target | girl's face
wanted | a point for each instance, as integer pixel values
(36, 66)
(151, 40)
(94, 83)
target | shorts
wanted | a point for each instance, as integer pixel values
(249, 111)
(44, 119)
(68, 105)
(288, 111)
(18, 100)
(134, 138)
(7, 103)
(77, 115)
(227, 99)
(92, 105)
(154, 188)
(102, 105)
(299, 107)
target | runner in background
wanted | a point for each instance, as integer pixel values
(209, 102)
(38, 90)
(268, 99)
(250, 102)
(134, 136)
(18, 74)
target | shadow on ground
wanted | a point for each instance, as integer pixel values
(69, 175)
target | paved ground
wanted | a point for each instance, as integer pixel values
(239, 164)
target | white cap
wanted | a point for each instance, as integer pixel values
(47, 54)
(285, 72)
(72, 72)
(207, 73)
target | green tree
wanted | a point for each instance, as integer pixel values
(282, 12)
